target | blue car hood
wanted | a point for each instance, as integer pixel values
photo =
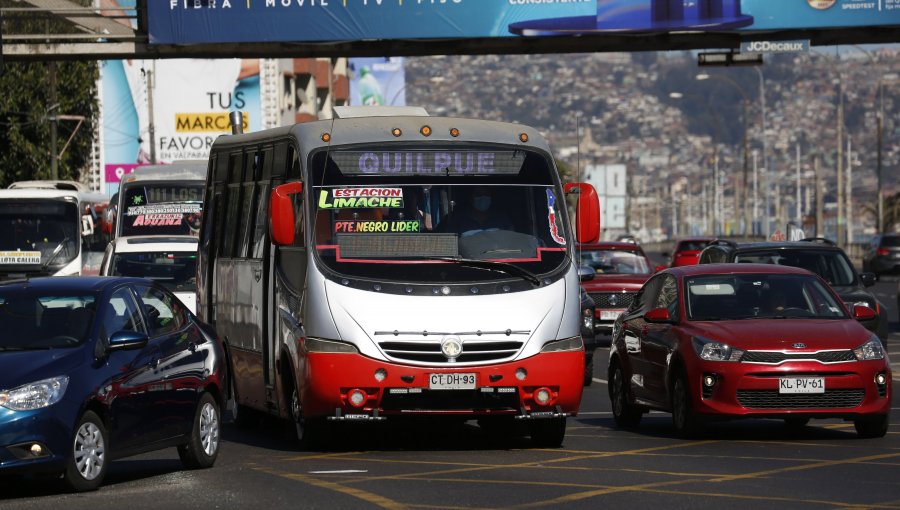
(24, 367)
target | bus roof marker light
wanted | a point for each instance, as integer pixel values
(396, 132)
(454, 132)
(326, 137)
(426, 131)
(523, 137)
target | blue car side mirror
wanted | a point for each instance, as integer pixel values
(124, 340)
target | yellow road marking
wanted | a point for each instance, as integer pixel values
(804, 467)
(366, 496)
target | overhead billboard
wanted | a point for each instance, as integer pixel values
(236, 21)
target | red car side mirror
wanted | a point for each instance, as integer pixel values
(658, 315)
(863, 313)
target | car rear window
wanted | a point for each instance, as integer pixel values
(692, 245)
(890, 241)
(832, 265)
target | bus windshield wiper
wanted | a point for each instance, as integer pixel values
(492, 265)
(56, 251)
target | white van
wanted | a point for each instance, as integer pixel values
(169, 260)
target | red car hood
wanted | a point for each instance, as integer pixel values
(781, 334)
(616, 282)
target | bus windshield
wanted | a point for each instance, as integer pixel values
(407, 215)
(36, 232)
(161, 208)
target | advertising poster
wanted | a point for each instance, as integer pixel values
(187, 102)
(377, 81)
(190, 21)
(191, 102)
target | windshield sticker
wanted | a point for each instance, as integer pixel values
(20, 257)
(554, 229)
(376, 226)
(157, 220)
(330, 199)
(182, 208)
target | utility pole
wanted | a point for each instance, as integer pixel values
(54, 106)
(849, 193)
(880, 120)
(799, 210)
(150, 119)
(820, 200)
(840, 163)
(755, 194)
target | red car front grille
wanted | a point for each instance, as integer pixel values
(778, 357)
(771, 399)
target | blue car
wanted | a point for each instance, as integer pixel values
(98, 368)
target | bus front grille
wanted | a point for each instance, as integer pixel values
(430, 351)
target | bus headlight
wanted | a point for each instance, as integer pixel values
(569, 344)
(331, 346)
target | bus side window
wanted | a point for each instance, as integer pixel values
(260, 222)
(245, 226)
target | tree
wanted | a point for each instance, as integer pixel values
(25, 109)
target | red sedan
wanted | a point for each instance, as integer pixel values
(687, 250)
(747, 340)
(620, 268)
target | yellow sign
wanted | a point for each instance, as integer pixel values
(20, 257)
(211, 122)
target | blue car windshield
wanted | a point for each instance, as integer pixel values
(31, 321)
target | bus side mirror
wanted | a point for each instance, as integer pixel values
(281, 213)
(587, 219)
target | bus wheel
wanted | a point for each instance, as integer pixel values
(307, 431)
(548, 433)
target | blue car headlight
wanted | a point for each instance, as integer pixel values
(870, 350)
(712, 350)
(36, 395)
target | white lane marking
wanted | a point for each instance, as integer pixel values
(601, 381)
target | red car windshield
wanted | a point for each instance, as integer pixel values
(759, 296)
(615, 262)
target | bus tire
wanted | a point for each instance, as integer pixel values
(309, 433)
(548, 433)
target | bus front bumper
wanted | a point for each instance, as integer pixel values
(355, 387)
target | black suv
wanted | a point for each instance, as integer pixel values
(883, 254)
(821, 256)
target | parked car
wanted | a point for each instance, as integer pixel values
(818, 255)
(747, 340)
(97, 368)
(687, 250)
(620, 268)
(169, 260)
(883, 254)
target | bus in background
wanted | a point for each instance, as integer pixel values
(51, 228)
(157, 222)
(161, 200)
(388, 263)
(169, 260)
